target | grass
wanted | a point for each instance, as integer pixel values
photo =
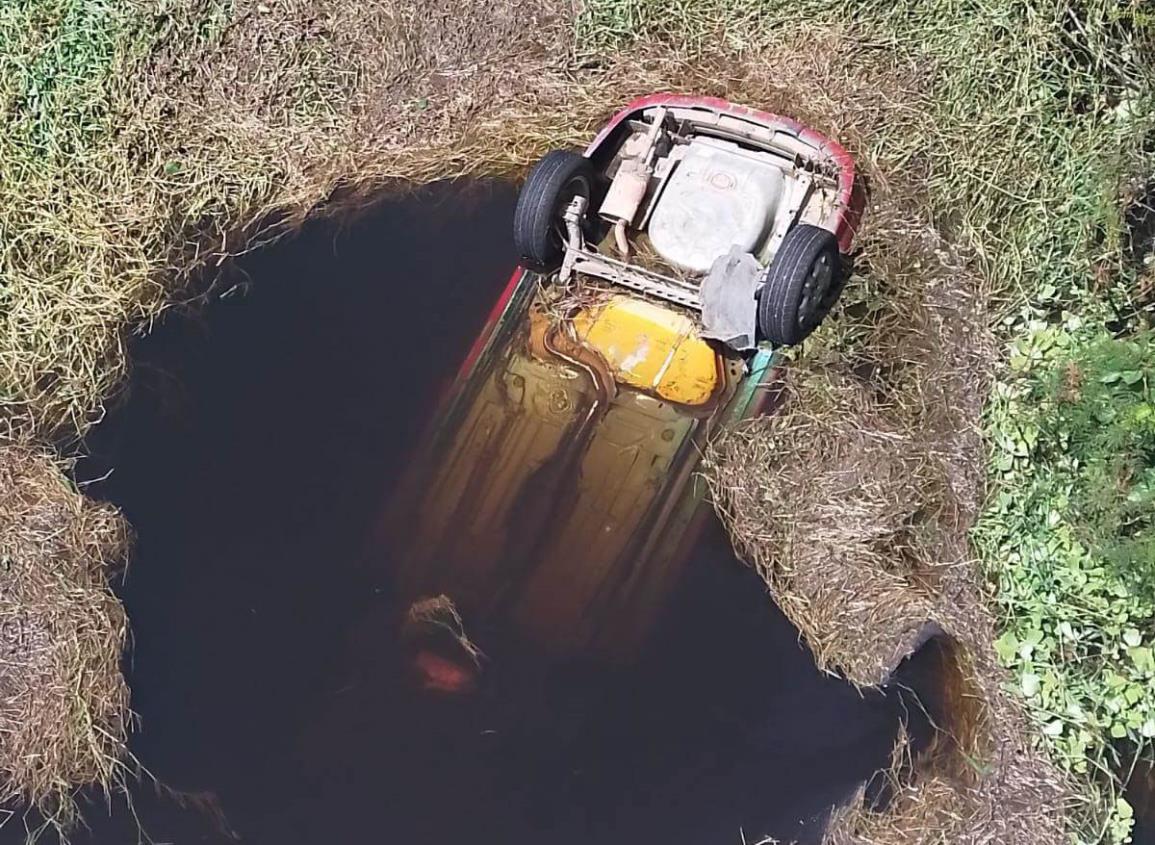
(63, 700)
(1038, 114)
(143, 144)
(69, 287)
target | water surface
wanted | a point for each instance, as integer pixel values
(253, 454)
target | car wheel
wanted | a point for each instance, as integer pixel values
(538, 227)
(801, 287)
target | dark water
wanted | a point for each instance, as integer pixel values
(256, 448)
(1140, 791)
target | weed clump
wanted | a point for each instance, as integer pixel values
(1101, 406)
(63, 700)
(1073, 519)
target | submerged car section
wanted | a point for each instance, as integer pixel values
(556, 491)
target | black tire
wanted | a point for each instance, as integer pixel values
(538, 228)
(801, 287)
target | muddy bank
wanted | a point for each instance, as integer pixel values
(253, 454)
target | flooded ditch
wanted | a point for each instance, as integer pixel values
(254, 454)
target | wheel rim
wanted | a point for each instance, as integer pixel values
(815, 291)
(577, 186)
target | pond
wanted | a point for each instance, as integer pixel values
(254, 452)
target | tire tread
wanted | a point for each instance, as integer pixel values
(782, 294)
(537, 204)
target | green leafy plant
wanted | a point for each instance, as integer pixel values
(1104, 406)
(1068, 538)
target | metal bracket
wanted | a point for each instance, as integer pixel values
(579, 259)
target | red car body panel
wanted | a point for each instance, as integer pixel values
(851, 200)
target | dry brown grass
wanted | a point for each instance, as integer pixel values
(854, 502)
(829, 502)
(63, 700)
(982, 784)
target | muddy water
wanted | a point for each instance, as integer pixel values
(253, 454)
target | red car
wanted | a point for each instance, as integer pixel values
(739, 215)
(555, 492)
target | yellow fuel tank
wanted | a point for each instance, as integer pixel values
(652, 348)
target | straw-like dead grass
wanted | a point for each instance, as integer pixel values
(981, 782)
(63, 700)
(829, 501)
(854, 501)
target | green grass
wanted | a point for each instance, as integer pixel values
(56, 60)
(1069, 538)
(1041, 110)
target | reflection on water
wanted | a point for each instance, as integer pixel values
(254, 455)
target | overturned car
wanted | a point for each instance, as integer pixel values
(554, 496)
